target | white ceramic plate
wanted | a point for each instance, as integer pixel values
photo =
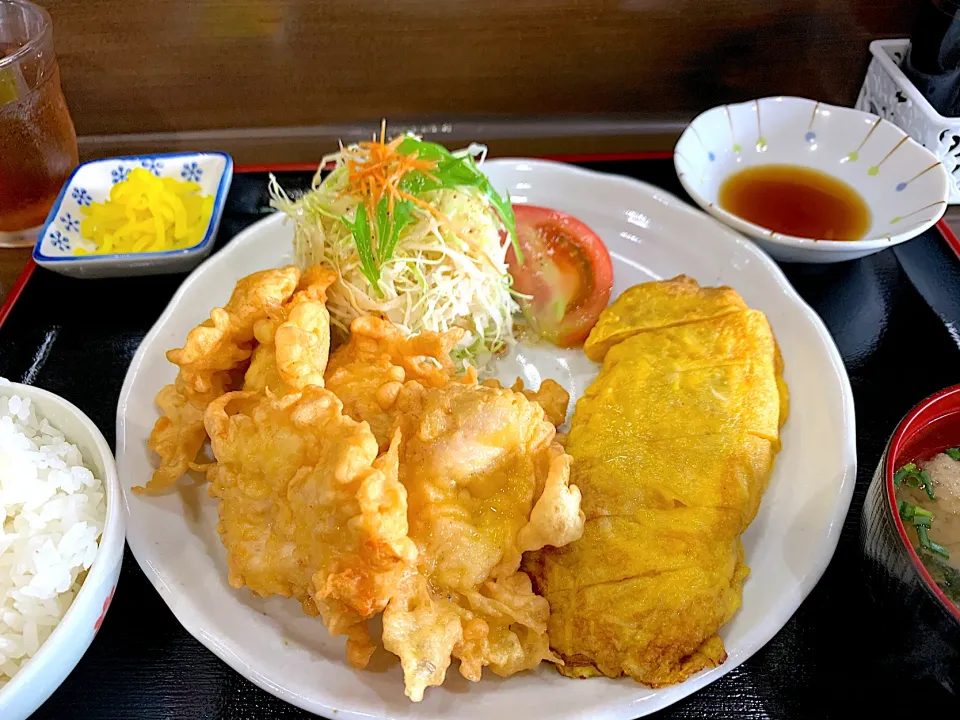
(904, 184)
(650, 234)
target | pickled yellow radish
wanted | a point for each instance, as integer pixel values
(146, 213)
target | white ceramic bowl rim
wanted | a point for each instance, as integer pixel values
(218, 202)
(777, 238)
(111, 543)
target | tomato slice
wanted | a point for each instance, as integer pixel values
(567, 271)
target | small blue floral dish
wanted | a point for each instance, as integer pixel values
(91, 182)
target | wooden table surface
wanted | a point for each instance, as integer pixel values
(11, 263)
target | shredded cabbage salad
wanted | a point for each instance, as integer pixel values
(417, 235)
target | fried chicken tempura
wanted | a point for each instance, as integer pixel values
(280, 309)
(314, 482)
(307, 508)
(551, 397)
(294, 340)
(379, 361)
(218, 346)
(485, 483)
(177, 437)
(207, 359)
(211, 363)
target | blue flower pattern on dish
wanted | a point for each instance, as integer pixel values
(119, 173)
(59, 241)
(191, 172)
(91, 183)
(81, 196)
(70, 223)
(152, 165)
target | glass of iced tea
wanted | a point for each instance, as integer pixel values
(38, 145)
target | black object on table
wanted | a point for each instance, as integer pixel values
(76, 338)
(932, 62)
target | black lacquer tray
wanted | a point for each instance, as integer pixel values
(894, 317)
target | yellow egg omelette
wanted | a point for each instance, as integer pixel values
(672, 446)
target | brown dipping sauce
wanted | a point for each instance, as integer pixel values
(796, 200)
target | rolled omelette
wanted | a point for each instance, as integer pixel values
(672, 446)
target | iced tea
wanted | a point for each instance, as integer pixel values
(38, 144)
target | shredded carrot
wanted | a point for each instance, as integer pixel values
(375, 169)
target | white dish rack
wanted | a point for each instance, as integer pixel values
(887, 92)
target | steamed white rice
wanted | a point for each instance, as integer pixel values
(53, 514)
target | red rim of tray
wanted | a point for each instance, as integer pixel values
(17, 289)
(949, 236)
(921, 417)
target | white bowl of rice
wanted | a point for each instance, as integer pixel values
(61, 542)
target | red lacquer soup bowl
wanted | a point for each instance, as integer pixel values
(924, 632)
